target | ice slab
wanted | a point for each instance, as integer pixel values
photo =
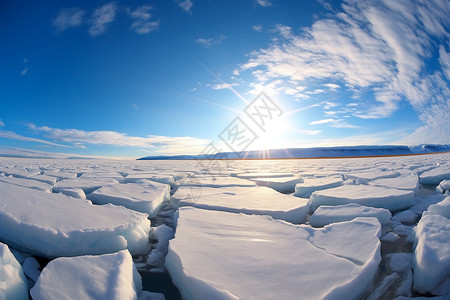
(374, 196)
(436, 175)
(53, 225)
(216, 181)
(88, 185)
(44, 178)
(325, 215)
(408, 183)
(248, 200)
(445, 185)
(13, 284)
(108, 276)
(280, 184)
(144, 195)
(219, 255)
(61, 175)
(431, 261)
(371, 175)
(72, 192)
(442, 208)
(32, 184)
(311, 185)
(262, 175)
(162, 234)
(153, 177)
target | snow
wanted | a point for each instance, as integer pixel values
(220, 255)
(61, 175)
(31, 268)
(280, 184)
(153, 177)
(108, 276)
(442, 208)
(436, 175)
(32, 184)
(311, 185)
(248, 200)
(216, 181)
(408, 183)
(13, 284)
(72, 192)
(373, 196)
(88, 185)
(57, 225)
(431, 261)
(162, 234)
(445, 185)
(390, 237)
(254, 175)
(144, 195)
(325, 215)
(371, 175)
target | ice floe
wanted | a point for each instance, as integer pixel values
(311, 185)
(220, 255)
(13, 284)
(248, 200)
(54, 225)
(108, 276)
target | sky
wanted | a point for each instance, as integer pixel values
(163, 77)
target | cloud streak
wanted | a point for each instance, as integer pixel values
(68, 18)
(101, 17)
(141, 20)
(378, 50)
(14, 136)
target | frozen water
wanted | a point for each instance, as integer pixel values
(311, 185)
(13, 284)
(408, 183)
(442, 208)
(31, 268)
(88, 185)
(54, 225)
(436, 175)
(248, 200)
(219, 255)
(32, 184)
(108, 276)
(255, 175)
(325, 215)
(216, 181)
(372, 175)
(162, 234)
(431, 261)
(280, 184)
(445, 185)
(367, 195)
(144, 195)
(153, 177)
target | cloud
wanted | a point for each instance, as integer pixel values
(258, 28)
(185, 5)
(142, 23)
(377, 49)
(1, 123)
(264, 3)
(222, 86)
(332, 86)
(30, 153)
(101, 17)
(14, 136)
(24, 71)
(68, 18)
(324, 121)
(157, 143)
(212, 41)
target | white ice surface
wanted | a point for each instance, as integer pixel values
(13, 284)
(254, 175)
(88, 185)
(153, 177)
(280, 184)
(216, 181)
(248, 200)
(54, 225)
(311, 185)
(436, 175)
(445, 185)
(431, 262)
(162, 234)
(144, 195)
(408, 183)
(72, 192)
(372, 175)
(32, 184)
(219, 255)
(374, 196)
(103, 277)
(442, 208)
(325, 215)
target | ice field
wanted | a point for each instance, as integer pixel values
(355, 228)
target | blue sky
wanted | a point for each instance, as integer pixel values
(138, 78)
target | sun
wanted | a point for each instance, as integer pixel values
(274, 136)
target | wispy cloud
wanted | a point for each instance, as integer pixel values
(113, 138)
(323, 121)
(14, 136)
(258, 28)
(68, 18)
(377, 49)
(1, 123)
(141, 20)
(24, 71)
(101, 17)
(332, 86)
(222, 86)
(212, 41)
(264, 3)
(185, 5)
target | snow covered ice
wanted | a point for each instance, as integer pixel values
(234, 232)
(220, 255)
(13, 285)
(249, 200)
(103, 277)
